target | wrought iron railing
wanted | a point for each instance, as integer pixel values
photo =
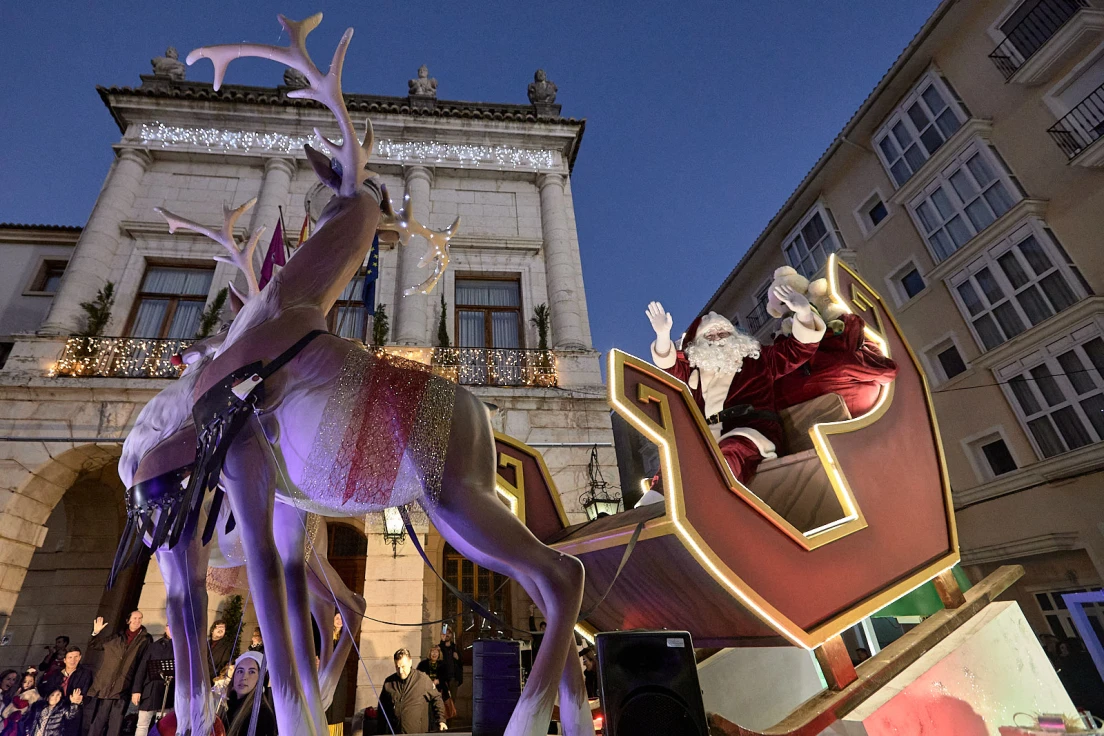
(119, 357)
(137, 357)
(758, 317)
(496, 366)
(1031, 33)
(1081, 126)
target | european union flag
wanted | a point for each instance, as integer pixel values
(370, 277)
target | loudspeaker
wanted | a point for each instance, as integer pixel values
(496, 684)
(648, 683)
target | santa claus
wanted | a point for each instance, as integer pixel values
(731, 376)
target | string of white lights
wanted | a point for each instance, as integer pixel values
(247, 141)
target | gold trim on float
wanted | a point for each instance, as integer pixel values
(519, 491)
(674, 520)
(514, 496)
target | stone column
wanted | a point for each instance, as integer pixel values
(563, 270)
(90, 267)
(275, 188)
(412, 312)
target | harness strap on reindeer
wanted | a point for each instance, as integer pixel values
(219, 415)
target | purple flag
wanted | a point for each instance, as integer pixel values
(275, 254)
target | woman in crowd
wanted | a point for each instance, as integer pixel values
(21, 702)
(50, 716)
(436, 667)
(245, 688)
(9, 679)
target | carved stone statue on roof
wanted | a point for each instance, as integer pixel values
(169, 65)
(424, 85)
(542, 91)
(295, 79)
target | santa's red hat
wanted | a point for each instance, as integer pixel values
(691, 333)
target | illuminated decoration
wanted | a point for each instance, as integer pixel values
(218, 140)
(596, 500)
(496, 366)
(394, 530)
(140, 357)
(120, 357)
(512, 494)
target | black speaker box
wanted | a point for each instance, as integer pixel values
(496, 684)
(648, 684)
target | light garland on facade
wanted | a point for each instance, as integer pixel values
(137, 357)
(119, 357)
(215, 140)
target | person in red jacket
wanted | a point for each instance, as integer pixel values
(731, 376)
(847, 362)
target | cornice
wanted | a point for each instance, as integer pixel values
(939, 159)
(1047, 330)
(1040, 545)
(1056, 469)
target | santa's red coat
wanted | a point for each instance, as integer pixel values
(753, 384)
(847, 364)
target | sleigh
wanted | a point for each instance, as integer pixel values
(857, 515)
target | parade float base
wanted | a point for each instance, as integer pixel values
(973, 683)
(983, 655)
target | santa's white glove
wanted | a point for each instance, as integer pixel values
(661, 323)
(796, 301)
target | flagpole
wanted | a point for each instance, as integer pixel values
(283, 233)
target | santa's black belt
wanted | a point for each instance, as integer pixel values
(742, 411)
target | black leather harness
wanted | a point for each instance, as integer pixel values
(219, 415)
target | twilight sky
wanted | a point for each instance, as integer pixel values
(702, 117)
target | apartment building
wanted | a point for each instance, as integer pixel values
(968, 189)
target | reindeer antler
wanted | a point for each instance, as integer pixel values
(241, 257)
(351, 155)
(403, 225)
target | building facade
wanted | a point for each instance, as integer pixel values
(66, 403)
(967, 189)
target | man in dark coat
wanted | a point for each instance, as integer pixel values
(72, 676)
(111, 686)
(408, 698)
(149, 693)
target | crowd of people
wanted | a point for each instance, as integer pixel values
(63, 696)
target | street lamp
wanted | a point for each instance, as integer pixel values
(596, 500)
(394, 530)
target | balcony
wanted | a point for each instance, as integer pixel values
(1080, 128)
(496, 366)
(134, 357)
(119, 357)
(1045, 39)
(758, 317)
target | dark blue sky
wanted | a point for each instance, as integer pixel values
(702, 117)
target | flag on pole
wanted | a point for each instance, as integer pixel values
(370, 276)
(305, 231)
(275, 255)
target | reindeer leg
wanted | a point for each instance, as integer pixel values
(575, 710)
(472, 519)
(288, 525)
(250, 482)
(320, 577)
(184, 570)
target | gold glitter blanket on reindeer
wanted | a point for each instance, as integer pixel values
(383, 435)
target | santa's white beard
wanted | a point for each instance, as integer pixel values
(722, 355)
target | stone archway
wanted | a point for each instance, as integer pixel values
(59, 526)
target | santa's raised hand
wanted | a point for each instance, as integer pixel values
(797, 302)
(661, 323)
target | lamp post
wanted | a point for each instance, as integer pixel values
(394, 531)
(597, 500)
